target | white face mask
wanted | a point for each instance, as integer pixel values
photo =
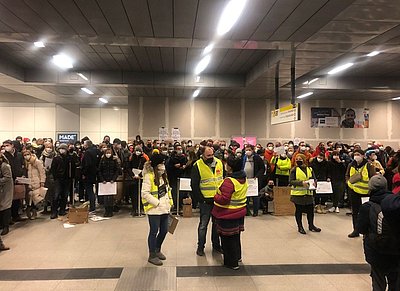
(161, 168)
(335, 157)
(226, 157)
(108, 156)
(164, 152)
(27, 157)
(3, 151)
(319, 160)
(138, 153)
(189, 145)
(249, 153)
(370, 145)
(381, 148)
(307, 148)
(303, 148)
(8, 148)
(223, 147)
(339, 149)
(283, 156)
(286, 148)
(63, 151)
(239, 155)
(48, 150)
(290, 153)
(179, 152)
(270, 148)
(358, 158)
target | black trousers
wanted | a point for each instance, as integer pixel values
(380, 279)
(232, 249)
(309, 210)
(338, 193)
(5, 218)
(15, 206)
(355, 199)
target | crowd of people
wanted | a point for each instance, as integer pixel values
(61, 174)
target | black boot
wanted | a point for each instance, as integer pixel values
(5, 230)
(314, 228)
(301, 230)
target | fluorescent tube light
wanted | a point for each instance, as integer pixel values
(305, 95)
(39, 44)
(196, 93)
(310, 82)
(208, 49)
(230, 15)
(396, 98)
(373, 54)
(83, 76)
(101, 99)
(86, 90)
(202, 65)
(63, 61)
(340, 68)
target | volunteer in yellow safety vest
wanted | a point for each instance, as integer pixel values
(282, 169)
(229, 211)
(207, 176)
(302, 178)
(157, 202)
(358, 174)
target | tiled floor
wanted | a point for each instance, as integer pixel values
(122, 242)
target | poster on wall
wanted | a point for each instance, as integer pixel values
(176, 134)
(339, 117)
(163, 133)
(285, 114)
(67, 137)
(242, 140)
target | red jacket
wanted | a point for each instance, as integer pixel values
(268, 155)
(227, 188)
(396, 183)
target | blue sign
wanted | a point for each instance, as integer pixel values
(67, 137)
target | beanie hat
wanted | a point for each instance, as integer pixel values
(117, 141)
(377, 182)
(360, 151)
(156, 159)
(63, 146)
(369, 153)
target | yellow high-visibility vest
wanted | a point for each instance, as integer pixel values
(154, 191)
(360, 187)
(238, 198)
(300, 175)
(209, 181)
(283, 167)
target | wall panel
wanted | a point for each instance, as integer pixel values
(204, 118)
(256, 115)
(179, 115)
(153, 116)
(229, 117)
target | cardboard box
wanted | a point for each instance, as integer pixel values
(172, 223)
(187, 210)
(78, 215)
(187, 201)
(282, 204)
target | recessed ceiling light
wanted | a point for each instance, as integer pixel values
(305, 95)
(196, 93)
(63, 61)
(396, 98)
(116, 108)
(39, 44)
(86, 90)
(83, 76)
(373, 54)
(101, 99)
(208, 49)
(202, 65)
(230, 15)
(340, 68)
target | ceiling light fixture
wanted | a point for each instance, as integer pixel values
(202, 65)
(373, 54)
(116, 108)
(230, 15)
(86, 90)
(305, 95)
(63, 61)
(103, 100)
(208, 49)
(310, 82)
(196, 93)
(39, 44)
(340, 68)
(396, 98)
(83, 76)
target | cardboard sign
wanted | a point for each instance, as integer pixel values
(107, 188)
(253, 187)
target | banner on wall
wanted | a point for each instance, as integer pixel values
(163, 133)
(339, 117)
(242, 140)
(67, 137)
(176, 134)
(285, 114)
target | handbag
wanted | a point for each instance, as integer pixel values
(355, 178)
(172, 223)
(19, 192)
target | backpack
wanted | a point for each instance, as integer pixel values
(381, 236)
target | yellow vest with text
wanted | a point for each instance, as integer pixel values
(154, 191)
(301, 176)
(360, 187)
(238, 198)
(209, 181)
(283, 167)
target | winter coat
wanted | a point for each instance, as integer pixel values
(60, 167)
(108, 169)
(173, 172)
(16, 162)
(6, 186)
(259, 169)
(89, 164)
(36, 173)
(336, 172)
(320, 169)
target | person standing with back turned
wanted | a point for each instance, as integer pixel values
(207, 176)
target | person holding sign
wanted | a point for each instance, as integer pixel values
(157, 202)
(229, 211)
(108, 172)
(302, 179)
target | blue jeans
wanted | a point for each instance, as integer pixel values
(158, 231)
(90, 194)
(205, 215)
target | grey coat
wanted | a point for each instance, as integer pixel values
(6, 186)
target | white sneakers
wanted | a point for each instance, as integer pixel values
(334, 209)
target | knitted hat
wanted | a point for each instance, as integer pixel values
(156, 159)
(369, 153)
(63, 146)
(360, 151)
(377, 182)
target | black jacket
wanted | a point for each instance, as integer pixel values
(108, 169)
(320, 169)
(336, 172)
(89, 164)
(135, 162)
(173, 172)
(373, 256)
(61, 167)
(16, 162)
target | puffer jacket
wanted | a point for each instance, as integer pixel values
(162, 205)
(6, 186)
(36, 172)
(108, 169)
